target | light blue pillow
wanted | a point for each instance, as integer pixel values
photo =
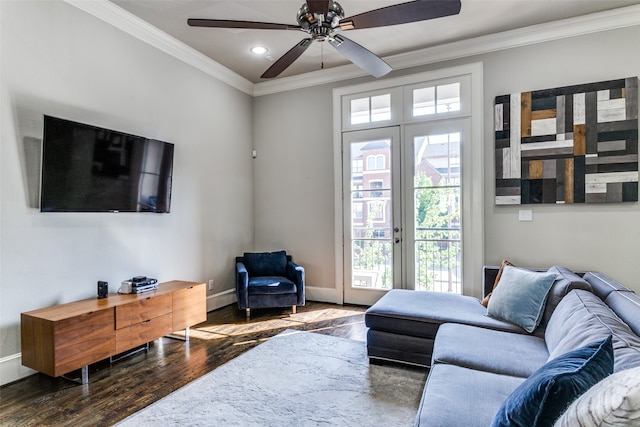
(520, 297)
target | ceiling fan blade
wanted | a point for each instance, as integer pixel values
(287, 59)
(360, 56)
(318, 6)
(226, 23)
(402, 13)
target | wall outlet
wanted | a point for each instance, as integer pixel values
(210, 284)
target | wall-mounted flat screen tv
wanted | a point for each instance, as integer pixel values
(90, 169)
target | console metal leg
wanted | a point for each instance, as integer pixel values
(248, 311)
(293, 309)
(84, 373)
(178, 337)
(84, 376)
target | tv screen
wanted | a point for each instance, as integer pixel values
(89, 169)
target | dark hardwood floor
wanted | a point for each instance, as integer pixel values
(117, 390)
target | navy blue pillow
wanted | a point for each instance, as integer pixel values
(266, 263)
(546, 394)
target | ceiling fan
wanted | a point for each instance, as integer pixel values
(321, 18)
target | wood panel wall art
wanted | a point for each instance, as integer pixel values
(573, 144)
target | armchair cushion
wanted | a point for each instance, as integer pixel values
(270, 285)
(266, 263)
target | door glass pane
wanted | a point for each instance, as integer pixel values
(436, 191)
(437, 269)
(371, 219)
(372, 264)
(449, 98)
(371, 109)
(424, 101)
(359, 111)
(381, 107)
(437, 159)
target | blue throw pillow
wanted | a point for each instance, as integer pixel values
(520, 297)
(546, 394)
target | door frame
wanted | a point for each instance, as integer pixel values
(472, 163)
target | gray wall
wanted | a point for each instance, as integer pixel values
(294, 179)
(60, 61)
(294, 193)
(602, 237)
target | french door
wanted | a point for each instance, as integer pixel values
(409, 184)
(372, 221)
(433, 208)
(403, 227)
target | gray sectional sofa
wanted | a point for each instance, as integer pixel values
(477, 361)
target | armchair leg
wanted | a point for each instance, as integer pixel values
(293, 309)
(248, 311)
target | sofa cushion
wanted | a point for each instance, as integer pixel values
(582, 317)
(613, 401)
(266, 263)
(488, 350)
(626, 306)
(544, 396)
(520, 297)
(420, 314)
(457, 396)
(566, 281)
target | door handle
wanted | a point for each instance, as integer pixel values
(397, 240)
(396, 230)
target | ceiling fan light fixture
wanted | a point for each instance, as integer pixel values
(347, 24)
(259, 50)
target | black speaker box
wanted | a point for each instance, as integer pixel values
(103, 289)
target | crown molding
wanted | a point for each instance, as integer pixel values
(142, 30)
(592, 23)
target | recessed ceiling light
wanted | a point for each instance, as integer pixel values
(259, 50)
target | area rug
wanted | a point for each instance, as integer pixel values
(294, 379)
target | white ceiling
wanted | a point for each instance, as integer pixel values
(230, 47)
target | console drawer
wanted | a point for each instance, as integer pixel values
(140, 333)
(142, 310)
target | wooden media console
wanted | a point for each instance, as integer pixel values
(59, 339)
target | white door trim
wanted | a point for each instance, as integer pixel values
(474, 180)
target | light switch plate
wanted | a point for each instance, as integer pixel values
(525, 215)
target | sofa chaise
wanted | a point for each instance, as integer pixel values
(477, 361)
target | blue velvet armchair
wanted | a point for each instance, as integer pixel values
(268, 280)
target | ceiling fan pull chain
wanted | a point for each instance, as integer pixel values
(322, 56)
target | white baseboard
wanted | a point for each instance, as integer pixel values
(227, 297)
(11, 369)
(221, 299)
(314, 293)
